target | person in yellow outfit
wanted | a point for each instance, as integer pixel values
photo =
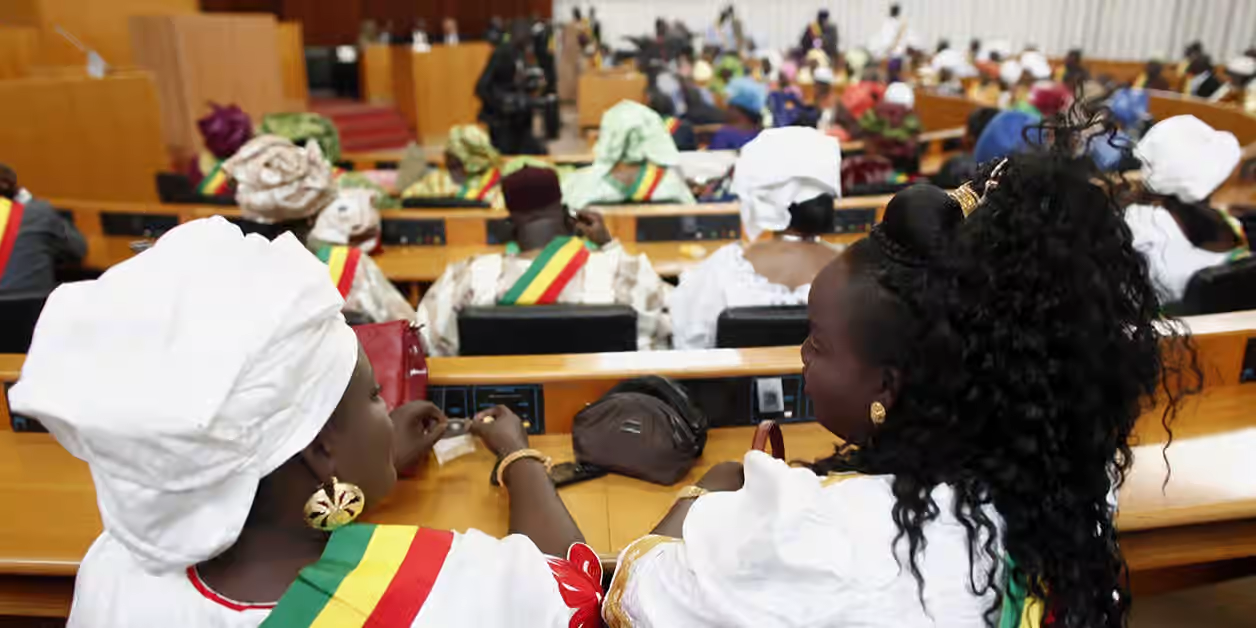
(472, 170)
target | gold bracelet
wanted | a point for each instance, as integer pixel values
(691, 492)
(516, 456)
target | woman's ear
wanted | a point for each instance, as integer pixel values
(891, 381)
(318, 457)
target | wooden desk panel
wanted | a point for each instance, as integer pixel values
(1223, 117)
(18, 47)
(376, 74)
(599, 91)
(436, 90)
(296, 83)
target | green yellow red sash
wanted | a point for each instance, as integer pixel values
(477, 188)
(549, 273)
(647, 182)
(369, 576)
(215, 182)
(815, 30)
(342, 263)
(10, 222)
(673, 124)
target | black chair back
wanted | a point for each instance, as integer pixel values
(443, 203)
(547, 329)
(18, 314)
(1226, 288)
(767, 326)
(177, 189)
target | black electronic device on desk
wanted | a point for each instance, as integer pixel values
(1226, 288)
(737, 401)
(854, 220)
(762, 326)
(137, 225)
(443, 202)
(688, 228)
(412, 232)
(527, 401)
(547, 329)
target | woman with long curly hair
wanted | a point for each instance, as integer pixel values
(983, 357)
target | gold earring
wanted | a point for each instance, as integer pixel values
(877, 414)
(334, 505)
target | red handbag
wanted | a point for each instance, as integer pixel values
(396, 354)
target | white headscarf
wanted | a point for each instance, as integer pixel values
(349, 216)
(900, 94)
(185, 375)
(278, 181)
(1242, 65)
(1010, 72)
(1036, 64)
(1184, 157)
(782, 167)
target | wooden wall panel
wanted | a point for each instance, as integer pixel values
(100, 24)
(296, 83)
(442, 86)
(19, 46)
(202, 58)
(84, 138)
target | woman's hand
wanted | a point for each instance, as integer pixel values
(501, 430)
(416, 428)
(725, 476)
(592, 226)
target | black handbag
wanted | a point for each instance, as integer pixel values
(645, 428)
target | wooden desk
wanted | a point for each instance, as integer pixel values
(1162, 105)
(436, 90)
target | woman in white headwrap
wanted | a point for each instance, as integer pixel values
(633, 162)
(786, 180)
(285, 188)
(213, 387)
(1184, 162)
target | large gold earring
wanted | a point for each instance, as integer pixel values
(334, 505)
(877, 413)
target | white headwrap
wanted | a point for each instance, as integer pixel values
(1036, 64)
(782, 167)
(185, 375)
(278, 181)
(900, 94)
(1186, 158)
(1242, 66)
(1010, 72)
(349, 216)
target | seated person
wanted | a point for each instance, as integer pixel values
(963, 167)
(224, 131)
(34, 239)
(1240, 88)
(634, 161)
(1202, 83)
(282, 188)
(786, 180)
(891, 129)
(300, 128)
(856, 100)
(1180, 234)
(1046, 99)
(1153, 77)
(238, 508)
(472, 170)
(925, 515)
(746, 100)
(546, 233)
(1004, 135)
(680, 129)
(1130, 110)
(1072, 73)
(986, 91)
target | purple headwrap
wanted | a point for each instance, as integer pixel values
(225, 130)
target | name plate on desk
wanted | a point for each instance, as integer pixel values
(413, 232)
(688, 228)
(136, 225)
(854, 220)
(525, 400)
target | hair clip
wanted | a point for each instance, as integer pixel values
(966, 197)
(992, 182)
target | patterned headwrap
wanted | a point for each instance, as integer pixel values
(472, 146)
(632, 133)
(225, 130)
(302, 127)
(277, 181)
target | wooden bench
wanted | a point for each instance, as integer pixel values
(1204, 517)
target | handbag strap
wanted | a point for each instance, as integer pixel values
(767, 431)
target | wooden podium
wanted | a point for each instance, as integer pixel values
(436, 90)
(78, 137)
(198, 59)
(601, 90)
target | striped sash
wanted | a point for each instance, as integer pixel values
(215, 182)
(815, 30)
(477, 188)
(647, 182)
(1020, 610)
(369, 576)
(673, 124)
(10, 221)
(342, 263)
(549, 273)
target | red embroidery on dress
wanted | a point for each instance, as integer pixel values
(580, 583)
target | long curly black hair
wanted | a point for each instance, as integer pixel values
(1027, 340)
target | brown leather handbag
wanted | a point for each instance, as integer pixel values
(396, 354)
(645, 428)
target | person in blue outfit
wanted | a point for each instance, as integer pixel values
(746, 100)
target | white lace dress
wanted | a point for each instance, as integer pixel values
(724, 280)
